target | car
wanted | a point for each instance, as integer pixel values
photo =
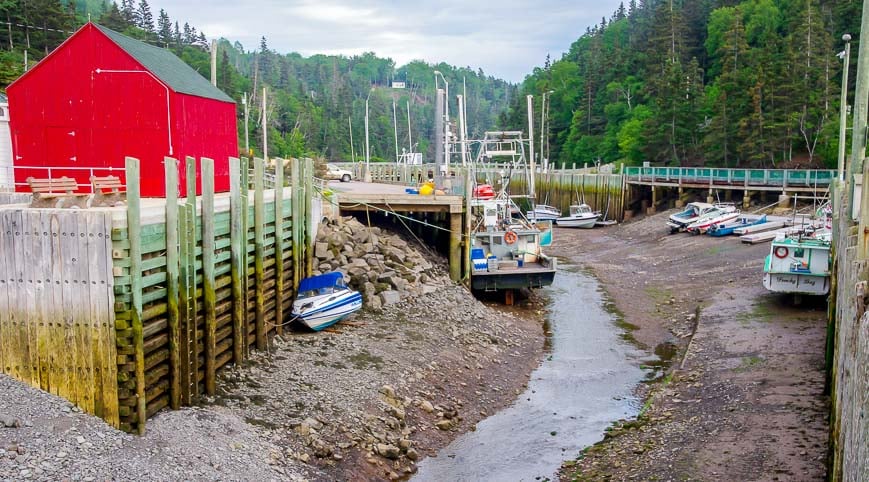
(336, 173)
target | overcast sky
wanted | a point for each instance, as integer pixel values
(505, 38)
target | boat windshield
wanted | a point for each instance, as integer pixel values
(327, 290)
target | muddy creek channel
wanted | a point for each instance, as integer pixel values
(585, 382)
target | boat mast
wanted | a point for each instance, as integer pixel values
(530, 100)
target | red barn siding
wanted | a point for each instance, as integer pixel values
(65, 114)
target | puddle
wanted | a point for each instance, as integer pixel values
(585, 383)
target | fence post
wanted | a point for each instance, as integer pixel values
(296, 226)
(308, 187)
(279, 247)
(259, 275)
(237, 241)
(133, 232)
(172, 314)
(209, 296)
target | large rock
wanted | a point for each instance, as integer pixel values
(389, 451)
(390, 297)
(321, 250)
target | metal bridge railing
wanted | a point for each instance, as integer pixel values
(746, 177)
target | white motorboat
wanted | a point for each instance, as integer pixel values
(581, 216)
(678, 222)
(542, 212)
(325, 300)
(721, 214)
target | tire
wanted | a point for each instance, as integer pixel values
(345, 178)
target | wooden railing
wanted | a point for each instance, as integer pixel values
(745, 177)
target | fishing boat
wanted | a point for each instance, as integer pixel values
(727, 228)
(542, 212)
(679, 221)
(506, 251)
(799, 264)
(721, 213)
(324, 300)
(581, 216)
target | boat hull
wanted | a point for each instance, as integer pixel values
(327, 314)
(796, 283)
(513, 279)
(584, 223)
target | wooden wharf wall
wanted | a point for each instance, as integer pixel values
(141, 305)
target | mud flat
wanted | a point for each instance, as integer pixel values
(743, 396)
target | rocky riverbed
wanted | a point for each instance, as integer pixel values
(365, 400)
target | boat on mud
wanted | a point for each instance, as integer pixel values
(799, 264)
(324, 300)
(542, 212)
(581, 216)
(721, 213)
(727, 228)
(506, 248)
(679, 221)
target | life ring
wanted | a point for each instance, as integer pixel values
(510, 237)
(781, 252)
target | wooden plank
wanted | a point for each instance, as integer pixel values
(279, 245)
(37, 329)
(6, 284)
(186, 313)
(259, 223)
(63, 371)
(97, 272)
(133, 226)
(189, 227)
(55, 325)
(84, 317)
(109, 369)
(245, 216)
(208, 280)
(172, 256)
(26, 333)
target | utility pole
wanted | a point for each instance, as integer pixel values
(409, 134)
(214, 63)
(462, 138)
(246, 105)
(542, 123)
(395, 129)
(530, 103)
(843, 107)
(265, 129)
(352, 151)
(367, 147)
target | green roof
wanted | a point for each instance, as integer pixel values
(173, 71)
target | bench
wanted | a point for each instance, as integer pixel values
(108, 191)
(57, 193)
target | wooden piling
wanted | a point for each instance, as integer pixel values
(133, 229)
(208, 279)
(172, 260)
(238, 270)
(279, 247)
(259, 277)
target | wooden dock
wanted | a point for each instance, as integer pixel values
(127, 310)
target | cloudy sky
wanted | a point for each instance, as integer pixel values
(505, 38)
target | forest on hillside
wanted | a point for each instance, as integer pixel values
(312, 102)
(752, 83)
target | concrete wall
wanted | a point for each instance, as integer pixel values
(849, 421)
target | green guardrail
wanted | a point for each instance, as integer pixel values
(764, 177)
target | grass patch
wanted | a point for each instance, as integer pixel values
(748, 362)
(760, 312)
(364, 360)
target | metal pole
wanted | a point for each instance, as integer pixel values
(352, 151)
(439, 131)
(462, 139)
(530, 103)
(367, 147)
(542, 122)
(246, 105)
(395, 129)
(214, 63)
(409, 134)
(265, 129)
(843, 107)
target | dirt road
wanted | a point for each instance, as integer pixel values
(743, 398)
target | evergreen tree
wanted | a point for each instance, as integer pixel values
(144, 17)
(164, 28)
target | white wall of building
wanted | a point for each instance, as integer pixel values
(6, 179)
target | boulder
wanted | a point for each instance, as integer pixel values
(388, 450)
(390, 297)
(321, 250)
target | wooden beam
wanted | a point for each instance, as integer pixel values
(279, 247)
(237, 271)
(259, 275)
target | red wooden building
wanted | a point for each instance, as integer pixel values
(101, 96)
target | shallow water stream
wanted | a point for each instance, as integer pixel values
(585, 382)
